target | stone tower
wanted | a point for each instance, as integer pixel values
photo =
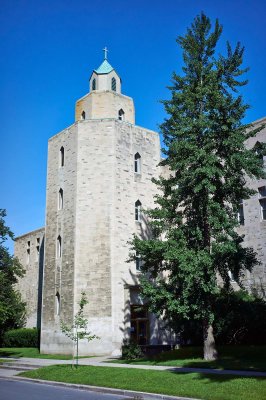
(99, 177)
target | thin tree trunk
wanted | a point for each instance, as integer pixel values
(210, 352)
(77, 361)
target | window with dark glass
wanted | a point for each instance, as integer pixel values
(138, 211)
(60, 199)
(28, 251)
(37, 248)
(139, 262)
(57, 305)
(59, 247)
(240, 213)
(137, 159)
(113, 84)
(121, 115)
(263, 208)
(260, 150)
(62, 156)
(232, 276)
(93, 86)
(139, 324)
(83, 115)
(262, 200)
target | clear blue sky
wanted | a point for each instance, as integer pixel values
(49, 49)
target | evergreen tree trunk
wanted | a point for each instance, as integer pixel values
(210, 352)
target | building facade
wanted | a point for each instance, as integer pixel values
(98, 179)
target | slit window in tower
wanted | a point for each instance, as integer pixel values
(138, 211)
(57, 305)
(37, 249)
(240, 213)
(28, 252)
(262, 200)
(60, 199)
(62, 156)
(121, 115)
(93, 86)
(59, 247)
(137, 160)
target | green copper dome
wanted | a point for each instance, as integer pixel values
(104, 68)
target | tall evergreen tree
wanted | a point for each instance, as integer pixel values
(194, 223)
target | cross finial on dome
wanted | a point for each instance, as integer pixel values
(105, 52)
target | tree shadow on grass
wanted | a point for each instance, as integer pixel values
(215, 376)
(228, 363)
(244, 358)
(10, 353)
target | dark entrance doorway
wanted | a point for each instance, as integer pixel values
(139, 331)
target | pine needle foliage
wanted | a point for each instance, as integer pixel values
(195, 219)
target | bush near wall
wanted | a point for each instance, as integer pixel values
(239, 319)
(131, 350)
(24, 337)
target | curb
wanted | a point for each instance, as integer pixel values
(99, 389)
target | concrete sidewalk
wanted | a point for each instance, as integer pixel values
(32, 363)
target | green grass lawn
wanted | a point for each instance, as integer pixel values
(201, 386)
(31, 352)
(230, 357)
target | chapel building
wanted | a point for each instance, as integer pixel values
(98, 180)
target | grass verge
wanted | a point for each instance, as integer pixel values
(248, 358)
(200, 386)
(32, 352)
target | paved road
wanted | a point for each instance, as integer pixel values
(15, 390)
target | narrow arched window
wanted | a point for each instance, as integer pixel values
(137, 161)
(57, 303)
(121, 115)
(37, 249)
(83, 115)
(62, 156)
(113, 86)
(28, 252)
(139, 262)
(138, 211)
(259, 150)
(59, 247)
(93, 86)
(262, 200)
(240, 214)
(60, 199)
(232, 276)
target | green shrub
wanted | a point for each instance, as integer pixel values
(239, 319)
(24, 337)
(131, 350)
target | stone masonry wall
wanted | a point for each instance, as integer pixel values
(59, 271)
(104, 81)
(94, 202)
(129, 187)
(105, 104)
(254, 228)
(29, 251)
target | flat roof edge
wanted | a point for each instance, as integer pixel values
(30, 233)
